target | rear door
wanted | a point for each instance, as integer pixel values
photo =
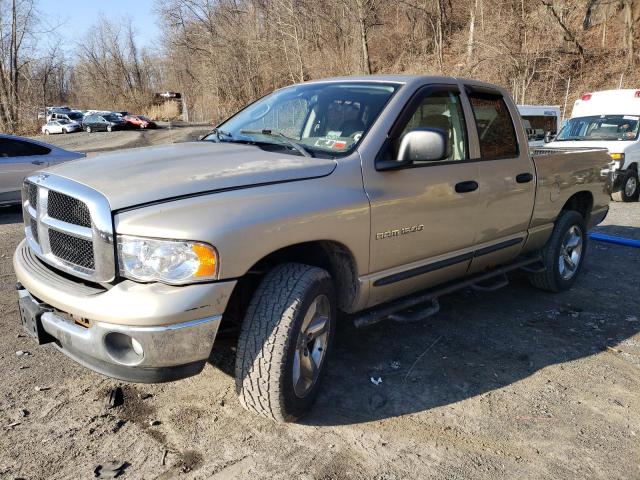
(18, 159)
(423, 217)
(507, 178)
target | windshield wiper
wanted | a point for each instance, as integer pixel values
(289, 141)
(219, 134)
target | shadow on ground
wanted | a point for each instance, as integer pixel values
(479, 342)
(9, 215)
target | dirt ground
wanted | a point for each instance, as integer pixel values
(509, 384)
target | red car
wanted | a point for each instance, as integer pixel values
(139, 121)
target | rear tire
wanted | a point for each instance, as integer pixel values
(630, 189)
(284, 342)
(563, 255)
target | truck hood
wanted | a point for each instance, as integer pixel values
(137, 176)
(614, 146)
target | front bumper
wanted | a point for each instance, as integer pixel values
(136, 332)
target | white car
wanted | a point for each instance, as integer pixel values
(20, 157)
(60, 126)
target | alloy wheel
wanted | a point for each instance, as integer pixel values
(311, 346)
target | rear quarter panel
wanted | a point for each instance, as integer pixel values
(562, 174)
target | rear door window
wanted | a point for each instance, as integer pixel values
(496, 132)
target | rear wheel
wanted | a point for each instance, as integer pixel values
(284, 342)
(630, 189)
(563, 255)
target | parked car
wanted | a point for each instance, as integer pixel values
(372, 196)
(608, 119)
(97, 123)
(60, 126)
(139, 121)
(19, 157)
(72, 116)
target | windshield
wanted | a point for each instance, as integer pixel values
(75, 115)
(600, 127)
(111, 118)
(321, 118)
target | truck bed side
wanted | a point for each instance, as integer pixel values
(562, 175)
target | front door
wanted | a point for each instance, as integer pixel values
(423, 217)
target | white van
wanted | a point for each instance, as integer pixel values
(608, 119)
(542, 122)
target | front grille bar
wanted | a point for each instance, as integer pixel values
(99, 235)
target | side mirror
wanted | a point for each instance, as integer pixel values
(418, 144)
(423, 144)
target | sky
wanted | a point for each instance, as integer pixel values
(77, 17)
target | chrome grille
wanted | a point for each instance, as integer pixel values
(33, 195)
(68, 209)
(34, 229)
(72, 249)
(68, 225)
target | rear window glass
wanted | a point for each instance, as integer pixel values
(496, 132)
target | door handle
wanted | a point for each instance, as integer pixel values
(38, 162)
(468, 186)
(524, 177)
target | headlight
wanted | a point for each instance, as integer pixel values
(175, 262)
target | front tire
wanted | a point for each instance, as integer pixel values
(563, 255)
(88, 129)
(46, 132)
(109, 128)
(284, 342)
(630, 189)
(64, 130)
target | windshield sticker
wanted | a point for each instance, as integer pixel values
(631, 117)
(325, 142)
(340, 145)
(333, 134)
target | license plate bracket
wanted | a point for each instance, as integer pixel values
(30, 315)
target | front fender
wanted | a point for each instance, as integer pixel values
(248, 224)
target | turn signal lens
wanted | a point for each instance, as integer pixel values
(208, 260)
(617, 156)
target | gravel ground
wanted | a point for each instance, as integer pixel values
(91, 143)
(509, 384)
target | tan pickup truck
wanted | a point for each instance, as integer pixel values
(350, 199)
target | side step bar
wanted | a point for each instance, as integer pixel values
(381, 312)
(421, 312)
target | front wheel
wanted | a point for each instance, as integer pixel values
(88, 129)
(630, 189)
(46, 132)
(109, 128)
(284, 342)
(564, 253)
(64, 130)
